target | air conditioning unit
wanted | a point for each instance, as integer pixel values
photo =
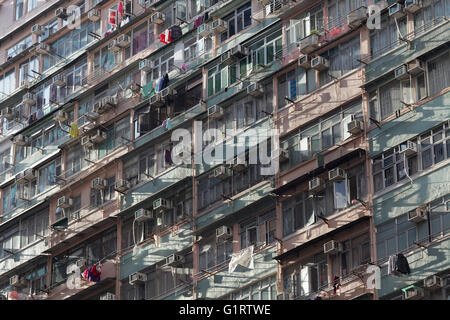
(29, 98)
(416, 67)
(94, 15)
(98, 136)
(64, 202)
(109, 102)
(215, 112)
(25, 83)
(61, 13)
(136, 278)
(411, 148)
(21, 140)
(413, 294)
(336, 174)
(204, 30)
(401, 73)
(167, 92)
(315, 184)
(356, 17)
(81, 264)
(418, 215)
(255, 89)
(174, 260)
(239, 51)
(59, 80)
(158, 18)
(412, 6)
(355, 127)
(219, 26)
(98, 107)
(156, 100)
(17, 281)
(43, 48)
(98, 184)
(396, 10)
(30, 174)
(224, 232)
(8, 113)
(87, 142)
(221, 172)
(143, 215)
(319, 63)
(37, 30)
(60, 116)
(227, 58)
(20, 178)
(331, 247)
(122, 185)
(146, 65)
(309, 43)
(123, 40)
(304, 62)
(433, 283)
(162, 204)
(113, 46)
(108, 296)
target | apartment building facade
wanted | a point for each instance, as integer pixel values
(96, 204)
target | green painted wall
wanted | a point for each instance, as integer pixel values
(223, 283)
(410, 124)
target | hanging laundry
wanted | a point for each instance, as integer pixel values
(243, 257)
(168, 156)
(336, 284)
(160, 83)
(74, 131)
(93, 273)
(40, 113)
(157, 240)
(168, 124)
(165, 81)
(402, 265)
(164, 123)
(175, 32)
(120, 9)
(165, 37)
(392, 263)
(112, 17)
(198, 21)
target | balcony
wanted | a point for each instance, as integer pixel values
(423, 118)
(22, 256)
(107, 277)
(420, 41)
(148, 189)
(239, 202)
(149, 254)
(321, 101)
(317, 231)
(83, 221)
(222, 282)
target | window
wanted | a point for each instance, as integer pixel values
(301, 26)
(431, 10)
(140, 38)
(354, 253)
(10, 198)
(258, 231)
(438, 77)
(100, 197)
(7, 83)
(213, 253)
(48, 174)
(74, 160)
(26, 69)
(433, 148)
(19, 9)
(5, 160)
(319, 135)
(307, 277)
(338, 10)
(237, 20)
(265, 289)
(384, 39)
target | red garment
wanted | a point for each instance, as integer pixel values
(112, 17)
(165, 37)
(120, 9)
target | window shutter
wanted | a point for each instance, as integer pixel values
(305, 281)
(345, 122)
